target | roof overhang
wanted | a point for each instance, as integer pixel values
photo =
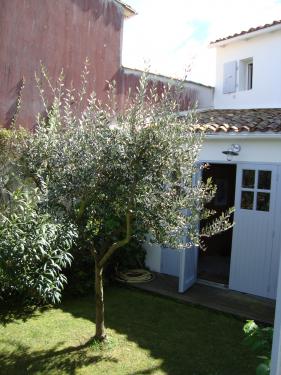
(128, 10)
(240, 121)
(246, 36)
(243, 135)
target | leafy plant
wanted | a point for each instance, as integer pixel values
(119, 175)
(34, 248)
(80, 279)
(260, 341)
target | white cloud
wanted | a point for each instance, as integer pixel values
(171, 35)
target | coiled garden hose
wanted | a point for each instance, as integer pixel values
(134, 276)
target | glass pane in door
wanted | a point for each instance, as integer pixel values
(248, 178)
(247, 200)
(264, 180)
(263, 200)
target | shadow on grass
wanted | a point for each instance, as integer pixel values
(188, 340)
(12, 313)
(149, 371)
(23, 361)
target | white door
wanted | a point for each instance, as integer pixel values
(254, 250)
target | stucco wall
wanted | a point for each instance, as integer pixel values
(261, 148)
(61, 34)
(192, 93)
(153, 257)
(253, 148)
(266, 92)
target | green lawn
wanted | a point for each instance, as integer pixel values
(148, 335)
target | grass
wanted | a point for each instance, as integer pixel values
(147, 335)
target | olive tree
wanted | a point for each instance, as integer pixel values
(121, 174)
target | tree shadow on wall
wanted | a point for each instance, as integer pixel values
(99, 8)
(16, 92)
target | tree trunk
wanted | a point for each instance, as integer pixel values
(100, 328)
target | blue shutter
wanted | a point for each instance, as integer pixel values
(229, 77)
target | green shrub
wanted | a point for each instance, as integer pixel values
(80, 279)
(260, 341)
(34, 248)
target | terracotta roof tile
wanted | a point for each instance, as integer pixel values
(251, 30)
(238, 120)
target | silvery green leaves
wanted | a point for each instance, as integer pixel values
(34, 248)
(99, 166)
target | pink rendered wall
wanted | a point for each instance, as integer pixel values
(61, 34)
(129, 79)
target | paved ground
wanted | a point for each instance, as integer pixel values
(244, 305)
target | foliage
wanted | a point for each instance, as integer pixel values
(111, 172)
(8, 139)
(34, 248)
(79, 276)
(131, 256)
(260, 341)
(9, 157)
(118, 175)
(80, 279)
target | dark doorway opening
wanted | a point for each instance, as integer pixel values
(214, 261)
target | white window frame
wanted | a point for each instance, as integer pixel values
(245, 79)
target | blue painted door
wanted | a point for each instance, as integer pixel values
(170, 261)
(188, 268)
(188, 258)
(255, 249)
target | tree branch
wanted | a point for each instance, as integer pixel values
(118, 244)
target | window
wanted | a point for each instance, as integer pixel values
(255, 193)
(246, 68)
(249, 76)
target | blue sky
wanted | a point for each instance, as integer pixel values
(172, 36)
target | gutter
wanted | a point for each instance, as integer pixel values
(245, 36)
(244, 135)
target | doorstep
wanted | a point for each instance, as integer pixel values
(244, 305)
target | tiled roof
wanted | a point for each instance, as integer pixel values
(240, 120)
(251, 30)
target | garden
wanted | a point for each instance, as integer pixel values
(147, 335)
(79, 195)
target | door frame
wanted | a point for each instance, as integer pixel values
(184, 283)
(223, 162)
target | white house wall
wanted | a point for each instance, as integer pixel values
(205, 95)
(252, 150)
(153, 257)
(266, 53)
